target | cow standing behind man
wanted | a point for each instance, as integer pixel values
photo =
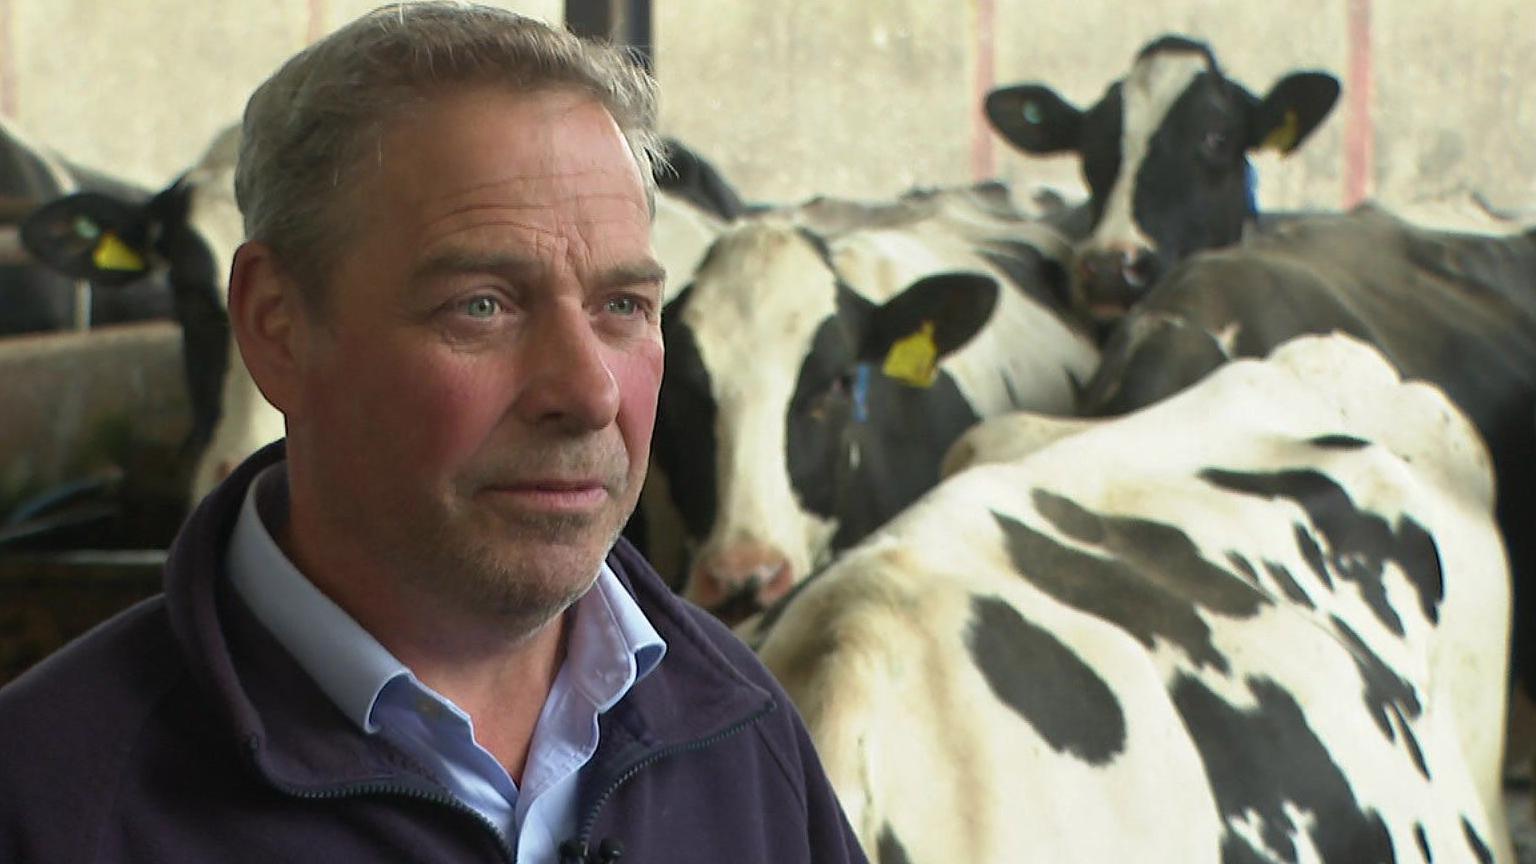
(1457, 310)
(1165, 156)
(1276, 639)
(187, 232)
(812, 385)
(34, 299)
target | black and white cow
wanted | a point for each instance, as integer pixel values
(812, 386)
(1165, 156)
(188, 232)
(1457, 310)
(36, 299)
(1261, 621)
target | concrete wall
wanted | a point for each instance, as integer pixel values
(139, 89)
(798, 97)
(801, 96)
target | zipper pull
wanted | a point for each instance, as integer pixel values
(573, 852)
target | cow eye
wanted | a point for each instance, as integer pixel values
(1214, 144)
(833, 395)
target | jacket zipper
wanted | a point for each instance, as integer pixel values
(584, 836)
(361, 789)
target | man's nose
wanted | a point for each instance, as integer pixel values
(567, 379)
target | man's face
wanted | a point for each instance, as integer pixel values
(477, 396)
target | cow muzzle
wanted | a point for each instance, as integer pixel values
(739, 581)
(1111, 281)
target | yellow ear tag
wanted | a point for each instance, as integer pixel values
(113, 254)
(913, 360)
(1283, 137)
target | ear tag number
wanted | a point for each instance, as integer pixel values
(913, 360)
(1283, 137)
(113, 254)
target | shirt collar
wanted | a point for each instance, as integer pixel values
(612, 644)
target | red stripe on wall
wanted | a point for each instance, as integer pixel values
(982, 167)
(315, 28)
(9, 101)
(1360, 128)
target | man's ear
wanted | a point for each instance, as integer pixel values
(266, 320)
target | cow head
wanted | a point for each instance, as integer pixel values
(109, 242)
(796, 415)
(1164, 153)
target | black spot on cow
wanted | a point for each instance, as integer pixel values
(684, 441)
(1338, 442)
(1312, 553)
(888, 849)
(826, 399)
(1157, 358)
(1058, 695)
(1357, 543)
(860, 445)
(1152, 584)
(1288, 585)
(1479, 848)
(1388, 696)
(1423, 841)
(1244, 568)
(1264, 759)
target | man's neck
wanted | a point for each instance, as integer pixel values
(503, 690)
(499, 672)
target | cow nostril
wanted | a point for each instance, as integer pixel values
(1098, 265)
(738, 578)
(1139, 269)
(776, 585)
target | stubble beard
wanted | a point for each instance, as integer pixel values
(520, 572)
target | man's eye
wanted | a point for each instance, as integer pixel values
(482, 307)
(625, 306)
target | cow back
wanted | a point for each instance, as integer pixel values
(1274, 635)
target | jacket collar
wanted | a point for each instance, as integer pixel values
(301, 742)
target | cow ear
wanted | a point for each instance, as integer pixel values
(934, 316)
(1034, 119)
(89, 236)
(1295, 106)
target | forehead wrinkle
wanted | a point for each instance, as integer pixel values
(568, 185)
(557, 178)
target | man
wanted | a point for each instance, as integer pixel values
(411, 633)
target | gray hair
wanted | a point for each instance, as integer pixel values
(308, 128)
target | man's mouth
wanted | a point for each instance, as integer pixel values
(552, 494)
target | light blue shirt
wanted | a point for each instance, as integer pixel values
(610, 646)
